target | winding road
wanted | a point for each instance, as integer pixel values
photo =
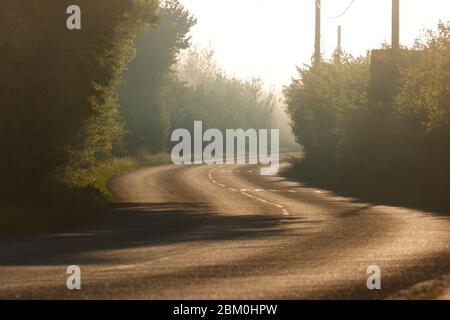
(225, 232)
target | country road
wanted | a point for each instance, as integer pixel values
(225, 232)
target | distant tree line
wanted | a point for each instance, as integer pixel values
(171, 91)
(378, 124)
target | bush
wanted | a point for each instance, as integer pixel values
(380, 128)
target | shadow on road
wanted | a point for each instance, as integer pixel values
(380, 192)
(132, 225)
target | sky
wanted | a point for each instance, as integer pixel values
(269, 38)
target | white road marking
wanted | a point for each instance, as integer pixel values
(289, 191)
(269, 190)
(244, 192)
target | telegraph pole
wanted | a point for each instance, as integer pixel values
(338, 53)
(339, 44)
(396, 25)
(317, 56)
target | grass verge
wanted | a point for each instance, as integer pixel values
(58, 206)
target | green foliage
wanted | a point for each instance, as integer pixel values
(99, 175)
(324, 102)
(381, 127)
(60, 115)
(71, 205)
(204, 92)
(143, 95)
(422, 107)
(425, 89)
(60, 111)
(166, 88)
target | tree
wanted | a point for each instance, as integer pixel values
(60, 112)
(145, 90)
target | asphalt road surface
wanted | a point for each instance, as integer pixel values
(225, 232)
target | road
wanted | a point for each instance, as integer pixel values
(225, 232)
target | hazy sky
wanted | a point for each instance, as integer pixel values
(268, 38)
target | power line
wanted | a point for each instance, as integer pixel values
(318, 4)
(345, 11)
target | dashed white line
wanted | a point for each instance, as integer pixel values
(270, 190)
(244, 192)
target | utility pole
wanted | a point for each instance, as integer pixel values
(338, 53)
(396, 25)
(384, 66)
(317, 56)
(339, 45)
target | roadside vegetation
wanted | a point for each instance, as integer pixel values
(375, 128)
(436, 289)
(79, 107)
